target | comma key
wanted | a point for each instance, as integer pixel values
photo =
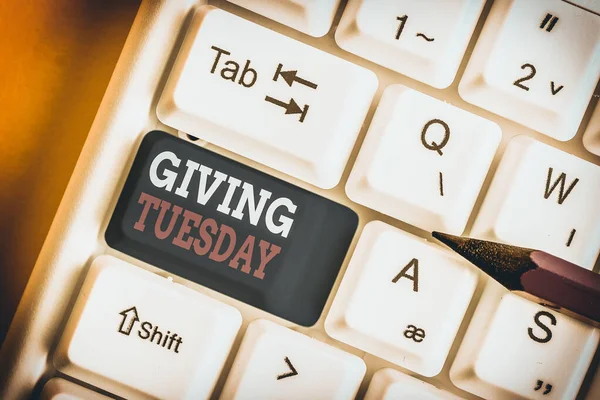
(137, 334)
(389, 384)
(402, 299)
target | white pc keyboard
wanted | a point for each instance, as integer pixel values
(250, 216)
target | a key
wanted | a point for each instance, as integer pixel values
(231, 228)
(137, 334)
(591, 136)
(389, 384)
(402, 299)
(546, 199)
(424, 40)
(277, 363)
(309, 16)
(267, 97)
(516, 349)
(62, 389)
(537, 63)
(423, 161)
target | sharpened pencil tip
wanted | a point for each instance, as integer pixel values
(502, 262)
(449, 240)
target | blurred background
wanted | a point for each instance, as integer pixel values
(56, 58)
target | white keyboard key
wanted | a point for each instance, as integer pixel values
(277, 363)
(591, 137)
(593, 392)
(591, 5)
(137, 334)
(313, 17)
(267, 97)
(62, 389)
(423, 161)
(389, 384)
(516, 349)
(407, 36)
(537, 63)
(545, 199)
(402, 299)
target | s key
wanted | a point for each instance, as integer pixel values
(231, 228)
(516, 349)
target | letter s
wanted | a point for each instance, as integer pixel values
(169, 176)
(146, 327)
(539, 323)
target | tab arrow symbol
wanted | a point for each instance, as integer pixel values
(130, 316)
(292, 372)
(290, 108)
(291, 76)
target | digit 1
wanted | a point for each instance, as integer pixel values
(402, 20)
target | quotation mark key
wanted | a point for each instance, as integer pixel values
(549, 18)
(539, 385)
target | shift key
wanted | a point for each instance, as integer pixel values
(267, 97)
(231, 228)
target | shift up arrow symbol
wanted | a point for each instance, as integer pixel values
(130, 316)
(290, 108)
(291, 76)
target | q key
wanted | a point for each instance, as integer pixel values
(423, 161)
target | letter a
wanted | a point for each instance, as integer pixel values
(414, 277)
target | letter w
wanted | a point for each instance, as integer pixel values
(562, 194)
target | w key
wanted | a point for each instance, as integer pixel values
(546, 199)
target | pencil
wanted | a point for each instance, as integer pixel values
(539, 275)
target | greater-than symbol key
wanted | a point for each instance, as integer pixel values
(293, 371)
(321, 371)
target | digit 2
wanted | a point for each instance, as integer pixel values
(532, 72)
